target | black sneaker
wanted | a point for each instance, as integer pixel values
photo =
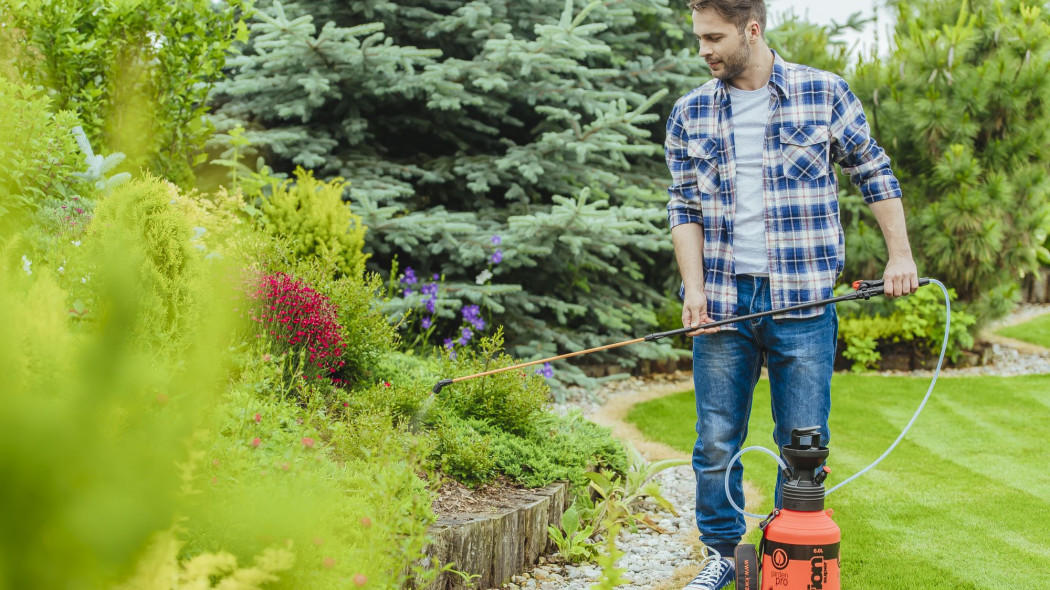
(716, 572)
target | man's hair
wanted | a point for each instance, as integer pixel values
(738, 12)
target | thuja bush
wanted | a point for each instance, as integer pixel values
(311, 214)
(300, 326)
(137, 221)
(87, 407)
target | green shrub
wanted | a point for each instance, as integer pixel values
(37, 149)
(135, 73)
(917, 318)
(344, 492)
(461, 452)
(367, 336)
(137, 222)
(508, 401)
(312, 216)
(553, 448)
(557, 448)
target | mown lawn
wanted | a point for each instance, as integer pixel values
(1036, 331)
(964, 501)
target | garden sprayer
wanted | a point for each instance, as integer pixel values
(800, 542)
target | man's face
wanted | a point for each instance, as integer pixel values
(725, 49)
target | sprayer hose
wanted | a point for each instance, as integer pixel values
(915, 416)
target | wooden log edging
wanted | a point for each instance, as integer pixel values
(499, 543)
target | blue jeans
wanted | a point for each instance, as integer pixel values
(800, 357)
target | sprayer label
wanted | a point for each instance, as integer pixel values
(800, 567)
(782, 553)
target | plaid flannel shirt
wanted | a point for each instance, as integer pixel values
(814, 120)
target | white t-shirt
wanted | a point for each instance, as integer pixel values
(750, 117)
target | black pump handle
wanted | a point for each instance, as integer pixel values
(811, 432)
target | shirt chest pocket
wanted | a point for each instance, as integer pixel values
(805, 151)
(704, 152)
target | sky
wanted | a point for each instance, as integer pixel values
(826, 11)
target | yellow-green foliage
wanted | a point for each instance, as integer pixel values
(37, 150)
(139, 222)
(312, 215)
(160, 568)
(91, 428)
(215, 218)
(344, 493)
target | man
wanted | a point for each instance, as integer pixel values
(754, 220)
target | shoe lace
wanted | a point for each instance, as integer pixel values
(710, 566)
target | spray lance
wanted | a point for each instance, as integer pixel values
(862, 290)
(800, 544)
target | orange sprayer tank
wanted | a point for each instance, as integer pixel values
(800, 544)
(801, 551)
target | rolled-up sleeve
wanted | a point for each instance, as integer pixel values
(855, 149)
(684, 203)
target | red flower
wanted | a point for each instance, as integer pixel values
(386, 384)
(256, 441)
(329, 563)
(303, 321)
(366, 522)
(258, 418)
(308, 442)
(360, 580)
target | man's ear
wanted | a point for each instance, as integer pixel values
(754, 31)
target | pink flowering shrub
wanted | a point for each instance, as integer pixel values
(302, 323)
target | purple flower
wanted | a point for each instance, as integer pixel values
(426, 323)
(465, 337)
(429, 289)
(448, 343)
(436, 277)
(407, 292)
(430, 303)
(410, 276)
(545, 371)
(472, 315)
(496, 240)
(497, 257)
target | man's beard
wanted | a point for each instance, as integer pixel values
(734, 65)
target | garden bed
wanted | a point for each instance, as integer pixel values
(492, 533)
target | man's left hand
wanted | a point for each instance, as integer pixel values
(900, 277)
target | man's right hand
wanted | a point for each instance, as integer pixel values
(694, 312)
